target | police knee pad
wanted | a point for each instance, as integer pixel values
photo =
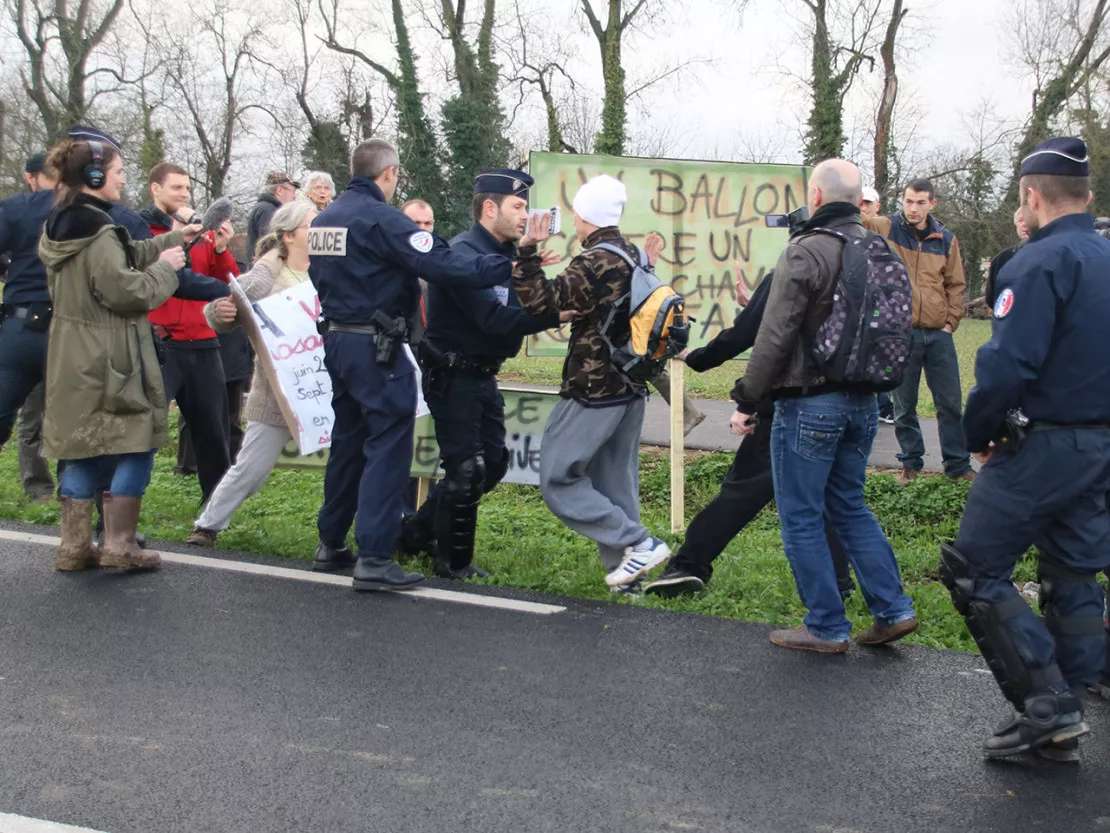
(1058, 586)
(956, 575)
(496, 470)
(465, 481)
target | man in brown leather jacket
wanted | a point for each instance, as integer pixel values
(822, 432)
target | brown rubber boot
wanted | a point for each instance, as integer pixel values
(76, 551)
(121, 522)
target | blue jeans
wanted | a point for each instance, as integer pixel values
(934, 352)
(819, 450)
(128, 474)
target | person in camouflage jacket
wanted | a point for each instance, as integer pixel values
(589, 459)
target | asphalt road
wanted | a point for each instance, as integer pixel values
(193, 700)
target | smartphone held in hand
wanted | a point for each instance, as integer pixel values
(555, 223)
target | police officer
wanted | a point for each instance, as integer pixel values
(365, 256)
(470, 333)
(1044, 484)
(26, 308)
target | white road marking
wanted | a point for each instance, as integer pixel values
(453, 596)
(22, 824)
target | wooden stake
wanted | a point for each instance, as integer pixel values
(423, 486)
(678, 439)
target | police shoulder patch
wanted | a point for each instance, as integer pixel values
(421, 241)
(1004, 304)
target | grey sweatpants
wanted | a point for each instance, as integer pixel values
(262, 445)
(590, 473)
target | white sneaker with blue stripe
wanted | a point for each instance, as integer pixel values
(638, 561)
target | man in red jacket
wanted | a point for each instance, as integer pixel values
(193, 373)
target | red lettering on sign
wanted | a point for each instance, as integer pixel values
(314, 311)
(285, 350)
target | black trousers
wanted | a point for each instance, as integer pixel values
(746, 489)
(186, 454)
(194, 378)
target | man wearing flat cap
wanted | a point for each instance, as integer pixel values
(280, 189)
(470, 334)
(1039, 421)
(26, 315)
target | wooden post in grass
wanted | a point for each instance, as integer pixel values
(678, 438)
(423, 486)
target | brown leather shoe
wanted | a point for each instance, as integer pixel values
(906, 476)
(121, 522)
(76, 550)
(801, 639)
(880, 633)
(969, 476)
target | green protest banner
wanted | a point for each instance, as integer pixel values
(526, 412)
(710, 214)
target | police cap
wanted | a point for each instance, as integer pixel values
(1062, 156)
(503, 181)
(80, 133)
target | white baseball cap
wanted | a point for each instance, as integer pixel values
(870, 195)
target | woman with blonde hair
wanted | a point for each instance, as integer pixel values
(281, 261)
(106, 409)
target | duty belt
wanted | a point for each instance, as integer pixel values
(360, 329)
(477, 367)
(12, 311)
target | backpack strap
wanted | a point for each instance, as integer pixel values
(623, 255)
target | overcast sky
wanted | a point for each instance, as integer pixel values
(953, 60)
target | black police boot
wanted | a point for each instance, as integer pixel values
(417, 532)
(456, 526)
(328, 559)
(1047, 720)
(383, 574)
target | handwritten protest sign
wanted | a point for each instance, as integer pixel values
(710, 214)
(282, 328)
(526, 413)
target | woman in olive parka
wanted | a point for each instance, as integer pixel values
(106, 409)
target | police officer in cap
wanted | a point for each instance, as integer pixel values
(365, 256)
(470, 333)
(1043, 483)
(26, 309)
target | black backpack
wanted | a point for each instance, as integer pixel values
(867, 338)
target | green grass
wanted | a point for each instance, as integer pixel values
(717, 383)
(526, 547)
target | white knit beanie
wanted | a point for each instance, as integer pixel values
(600, 201)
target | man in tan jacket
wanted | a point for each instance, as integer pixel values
(932, 257)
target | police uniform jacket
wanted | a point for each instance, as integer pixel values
(21, 219)
(1050, 339)
(365, 255)
(482, 323)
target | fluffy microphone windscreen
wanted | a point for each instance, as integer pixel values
(218, 213)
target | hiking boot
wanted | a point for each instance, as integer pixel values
(968, 475)
(383, 574)
(673, 582)
(638, 562)
(907, 476)
(882, 633)
(1047, 719)
(76, 550)
(800, 639)
(201, 537)
(121, 523)
(328, 559)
